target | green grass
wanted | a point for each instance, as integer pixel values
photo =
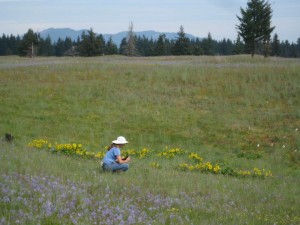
(235, 111)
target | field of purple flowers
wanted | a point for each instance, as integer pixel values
(37, 199)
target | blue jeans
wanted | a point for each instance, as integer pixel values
(114, 167)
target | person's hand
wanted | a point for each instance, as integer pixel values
(128, 159)
(124, 158)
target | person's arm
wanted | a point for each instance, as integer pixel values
(121, 161)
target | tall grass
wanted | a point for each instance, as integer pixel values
(235, 111)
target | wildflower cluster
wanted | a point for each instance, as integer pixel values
(244, 173)
(39, 144)
(144, 152)
(171, 153)
(130, 152)
(72, 149)
(195, 157)
(99, 155)
(254, 173)
(202, 167)
(65, 149)
(155, 165)
(257, 172)
(208, 167)
(216, 169)
(173, 210)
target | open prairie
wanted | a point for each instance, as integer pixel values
(213, 140)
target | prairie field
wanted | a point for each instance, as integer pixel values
(213, 140)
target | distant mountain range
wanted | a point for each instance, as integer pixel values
(62, 33)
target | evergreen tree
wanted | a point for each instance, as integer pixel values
(68, 43)
(70, 47)
(238, 46)
(123, 45)
(197, 47)
(3, 45)
(181, 46)
(160, 48)
(141, 45)
(9, 45)
(91, 44)
(275, 46)
(46, 47)
(29, 43)
(293, 51)
(208, 45)
(110, 47)
(225, 47)
(169, 46)
(100, 44)
(255, 25)
(150, 48)
(298, 48)
(14, 44)
(59, 47)
(144, 46)
(285, 49)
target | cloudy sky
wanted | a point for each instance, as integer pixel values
(198, 17)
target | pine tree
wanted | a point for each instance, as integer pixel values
(275, 45)
(100, 45)
(91, 44)
(70, 47)
(208, 45)
(181, 46)
(3, 45)
(255, 25)
(68, 43)
(298, 48)
(197, 48)
(123, 45)
(225, 47)
(45, 47)
(59, 47)
(12, 45)
(111, 47)
(160, 48)
(29, 44)
(238, 46)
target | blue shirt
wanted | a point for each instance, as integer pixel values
(111, 156)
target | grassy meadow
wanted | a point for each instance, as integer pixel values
(236, 112)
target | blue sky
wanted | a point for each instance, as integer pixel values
(198, 17)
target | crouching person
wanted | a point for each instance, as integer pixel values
(113, 160)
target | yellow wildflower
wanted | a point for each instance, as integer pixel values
(257, 172)
(216, 168)
(173, 210)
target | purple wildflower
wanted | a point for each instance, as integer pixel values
(2, 221)
(48, 208)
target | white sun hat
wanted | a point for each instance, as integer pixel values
(120, 141)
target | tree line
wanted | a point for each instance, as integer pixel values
(91, 44)
(253, 37)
